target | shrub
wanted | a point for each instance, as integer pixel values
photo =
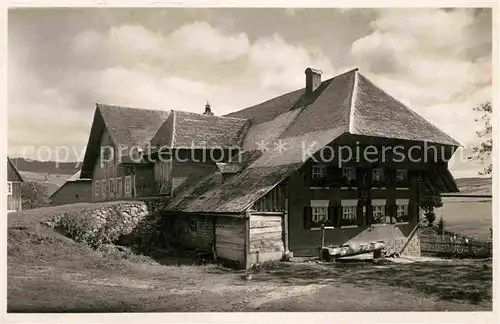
(34, 195)
(154, 232)
(440, 225)
(105, 225)
(431, 217)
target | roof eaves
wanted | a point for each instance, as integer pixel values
(174, 123)
(16, 171)
(103, 116)
(298, 166)
(354, 97)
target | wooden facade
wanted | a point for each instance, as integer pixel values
(14, 199)
(73, 192)
(14, 196)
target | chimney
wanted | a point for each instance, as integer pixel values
(313, 80)
(208, 111)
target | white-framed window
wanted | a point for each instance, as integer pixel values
(349, 216)
(349, 173)
(104, 188)
(378, 175)
(319, 210)
(402, 210)
(9, 188)
(401, 176)
(119, 187)
(128, 184)
(318, 172)
(379, 216)
(97, 188)
(319, 214)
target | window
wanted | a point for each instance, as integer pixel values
(402, 210)
(104, 189)
(128, 184)
(106, 153)
(319, 211)
(319, 214)
(193, 225)
(379, 216)
(97, 188)
(9, 188)
(378, 175)
(349, 173)
(349, 216)
(318, 172)
(112, 188)
(118, 187)
(401, 176)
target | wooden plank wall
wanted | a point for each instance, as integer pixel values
(230, 238)
(274, 200)
(14, 201)
(266, 232)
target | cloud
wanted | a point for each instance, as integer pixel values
(438, 62)
(422, 59)
(131, 65)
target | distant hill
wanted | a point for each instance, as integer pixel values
(475, 186)
(53, 182)
(48, 167)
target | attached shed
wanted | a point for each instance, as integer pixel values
(14, 179)
(74, 190)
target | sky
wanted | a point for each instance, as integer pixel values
(63, 61)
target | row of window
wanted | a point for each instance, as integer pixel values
(9, 188)
(102, 189)
(349, 173)
(321, 212)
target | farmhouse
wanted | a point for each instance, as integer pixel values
(74, 190)
(14, 179)
(261, 182)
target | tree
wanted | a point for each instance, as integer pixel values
(34, 195)
(483, 151)
(440, 226)
(428, 203)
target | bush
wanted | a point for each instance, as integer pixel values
(34, 195)
(440, 225)
(431, 217)
(155, 232)
(97, 227)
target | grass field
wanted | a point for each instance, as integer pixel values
(471, 217)
(54, 181)
(48, 272)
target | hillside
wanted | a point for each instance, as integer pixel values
(48, 272)
(46, 167)
(475, 186)
(54, 181)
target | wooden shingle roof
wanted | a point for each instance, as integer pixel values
(186, 129)
(128, 127)
(12, 172)
(346, 104)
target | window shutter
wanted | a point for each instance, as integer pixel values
(390, 211)
(369, 214)
(338, 216)
(331, 216)
(359, 214)
(307, 217)
(307, 174)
